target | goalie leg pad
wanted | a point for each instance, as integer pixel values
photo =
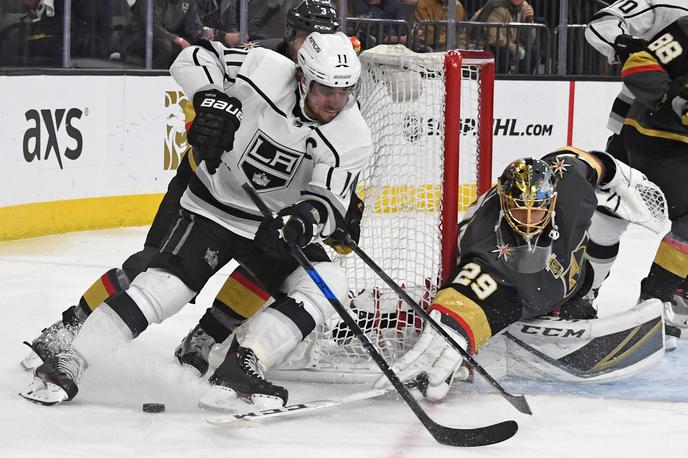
(595, 350)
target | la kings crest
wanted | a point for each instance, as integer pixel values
(269, 165)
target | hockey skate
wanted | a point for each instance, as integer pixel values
(55, 381)
(195, 349)
(240, 376)
(676, 318)
(54, 339)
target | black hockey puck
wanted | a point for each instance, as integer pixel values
(153, 407)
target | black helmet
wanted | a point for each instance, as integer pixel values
(527, 190)
(313, 16)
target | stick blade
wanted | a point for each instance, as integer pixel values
(520, 403)
(477, 437)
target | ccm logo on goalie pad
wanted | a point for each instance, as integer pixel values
(223, 106)
(551, 332)
(269, 165)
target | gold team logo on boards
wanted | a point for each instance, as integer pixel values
(178, 113)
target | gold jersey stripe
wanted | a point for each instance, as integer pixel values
(588, 158)
(656, 133)
(640, 59)
(239, 298)
(96, 294)
(672, 259)
(467, 313)
(618, 354)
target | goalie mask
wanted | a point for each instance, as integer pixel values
(527, 197)
(331, 62)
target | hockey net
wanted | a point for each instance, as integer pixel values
(431, 120)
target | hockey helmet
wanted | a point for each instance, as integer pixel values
(313, 16)
(328, 59)
(527, 195)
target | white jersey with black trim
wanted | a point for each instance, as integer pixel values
(286, 157)
(638, 18)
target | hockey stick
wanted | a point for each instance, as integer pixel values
(297, 409)
(518, 401)
(474, 437)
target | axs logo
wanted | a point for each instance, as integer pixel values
(57, 124)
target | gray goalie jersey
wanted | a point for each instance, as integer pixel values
(285, 156)
(639, 18)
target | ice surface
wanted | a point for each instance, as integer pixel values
(645, 416)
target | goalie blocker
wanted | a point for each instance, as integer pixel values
(523, 255)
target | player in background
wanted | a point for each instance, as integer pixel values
(522, 254)
(620, 30)
(616, 32)
(655, 134)
(295, 133)
(305, 17)
(241, 296)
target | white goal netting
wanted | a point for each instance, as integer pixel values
(402, 97)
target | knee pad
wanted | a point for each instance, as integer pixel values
(302, 289)
(159, 294)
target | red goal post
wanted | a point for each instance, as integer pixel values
(431, 120)
(453, 65)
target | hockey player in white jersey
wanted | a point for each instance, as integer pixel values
(621, 29)
(294, 132)
(618, 31)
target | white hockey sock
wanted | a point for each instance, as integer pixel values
(102, 333)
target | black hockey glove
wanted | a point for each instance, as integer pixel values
(625, 45)
(212, 132)
(350, 225)
(296, 224)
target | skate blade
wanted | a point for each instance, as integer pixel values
(44, 393)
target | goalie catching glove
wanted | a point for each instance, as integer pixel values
(631, 196)
(432, 363)
(297, 224)
(218, 117)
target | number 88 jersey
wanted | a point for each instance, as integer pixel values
(656, 76)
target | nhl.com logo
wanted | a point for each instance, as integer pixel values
(179, 113)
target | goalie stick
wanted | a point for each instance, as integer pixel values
(518, 401)
(446, 435)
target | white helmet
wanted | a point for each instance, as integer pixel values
(328, 59)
